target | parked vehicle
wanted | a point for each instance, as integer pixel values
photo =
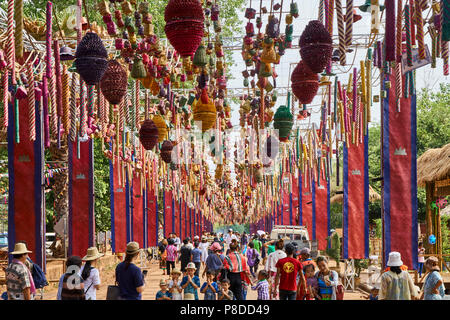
(297, 235)
(3, 240)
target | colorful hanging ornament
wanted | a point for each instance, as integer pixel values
(283, 122)
(148, 134)
(166, 151)
(184, 25)
(114, 82)
(316, 46)
(305, 83)
(91, 58)
(205, 111)
(162, 127)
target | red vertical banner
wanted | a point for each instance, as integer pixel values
(355, 244)
(177, 217)
(138, 211)
(183, 220)
(322, 203)
(26, 202)
(306, 214)
(400, 173)
(286, 200)
(295, 199)
(81, 198)
(152, 218)
(118, 211)
(168, 213)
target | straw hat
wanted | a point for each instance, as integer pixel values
(132, 247)
(163, 282)
(92, 254)
(20, 248)
(175, 271)
(395, 259)
(191, 265)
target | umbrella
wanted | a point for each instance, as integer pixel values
(260, 232)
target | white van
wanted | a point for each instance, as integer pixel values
(297, 235)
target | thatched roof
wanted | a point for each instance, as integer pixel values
(433, 165)
(373, 196)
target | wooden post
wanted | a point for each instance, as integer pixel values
(429, 221)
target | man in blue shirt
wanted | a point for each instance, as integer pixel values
(196, 255)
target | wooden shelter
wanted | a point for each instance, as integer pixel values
(433, 174)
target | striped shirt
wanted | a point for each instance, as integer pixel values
(235, 262)
(263, 290)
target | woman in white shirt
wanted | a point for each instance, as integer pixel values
(203, 246)
(271, 262)
(90, 274)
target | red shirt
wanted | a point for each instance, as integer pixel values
(289, 268)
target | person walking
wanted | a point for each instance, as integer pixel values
(185, 255)
(433, 288)
(172, 254)
(90, 274)
(214, 261)
(252, 259)
(327, 280)
(72, 284)
(19, 281)
(196, 257)
(286, 279)
(129, 276)
(420, 258)
(396, 284)
(236, 265)
(271, 268)
(203, 246)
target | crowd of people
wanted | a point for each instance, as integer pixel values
(221, 267)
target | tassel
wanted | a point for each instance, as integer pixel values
(31, 103)
(18, 18)
(398, 40)
(73, 108)
(5, 98)
(10, 53)
(65, 99)
(390, 30)
(408, 36)
(420, 36)
(341, 33)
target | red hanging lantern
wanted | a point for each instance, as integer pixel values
(166, 151)
(316, 46)
(305, 83)
(184, 25)
(114, 82)
(148, 134)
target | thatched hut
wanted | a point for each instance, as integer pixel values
(433, 174)
(373, 196)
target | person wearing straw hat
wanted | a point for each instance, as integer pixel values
(90, 273)
(129, 276)
(19, 281)
(175, 284)
(397, 284)
(163, 294)
(190, 283)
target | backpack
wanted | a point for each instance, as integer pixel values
(39, 278)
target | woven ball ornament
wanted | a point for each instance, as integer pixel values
(114, 82)
(162, 127)
(184, 25)
(148, 134)
(283, 122)
(91, 58)
(305, 83)
(316, 46)
(166, 151)
(205, 111)
(200, 57)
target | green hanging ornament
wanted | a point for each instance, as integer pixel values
(246, 82)
(294, 9)
(283, 122)
(138, 70)
(200, 57)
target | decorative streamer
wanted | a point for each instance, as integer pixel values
(48, 40)
(398, 83)
(399, 176)
(420, 36)
(45, 109)
(10, 52)
(5, 98)
(445, 55)
(341, 33)
(90, 105)
(73, 108)
(408, 36)
(31, 103)
(18, 36)
(65, 100)
(348, 23)
(398, 40)
(52, 106)
(390, 47)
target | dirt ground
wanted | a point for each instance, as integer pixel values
(152, 284)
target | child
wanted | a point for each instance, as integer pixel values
(373, 294)
(175, 285)
(225, 293)
(262, 286)
(244, 290)
(190, 283)
(163, 294)
(209, 288)
(196, 257)
(312, 285)
(420, 258)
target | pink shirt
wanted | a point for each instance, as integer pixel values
(421, 258)
(172, 253)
